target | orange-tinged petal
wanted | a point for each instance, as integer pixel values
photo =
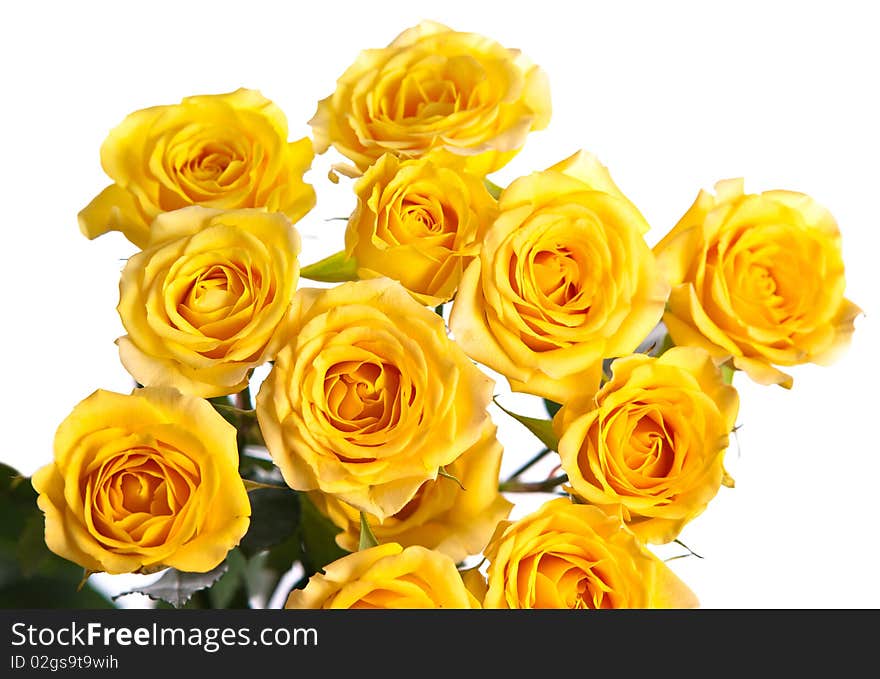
(143, 481)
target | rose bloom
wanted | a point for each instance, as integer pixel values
(457, 520)
(419, 223)
(564, 279)
(439, 91)
(142, 481)
(757, 279)
(650, 444)
(224, 151)
(386, 576)
(567, 555)
(370, 398)
(208, 299)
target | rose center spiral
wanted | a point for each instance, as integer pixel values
(213, 162)
(557, 275)
(362, 395)
(213, 289)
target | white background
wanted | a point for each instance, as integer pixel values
(672, 97)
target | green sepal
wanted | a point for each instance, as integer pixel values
(446, 475)
(542, 429)
(493, 188)
(337, 268)
(367, 538)
(256, 485)
(727, 372)
(552, 407)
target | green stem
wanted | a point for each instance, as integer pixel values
(679, 542)
(532, 486)
(528, 465)
(242, 400)
(251, 434)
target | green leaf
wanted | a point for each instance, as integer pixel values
(493, 188)
(18, 502)
(367, 538)
(32, 576)
(177, 587)
(282, 556)
(336, 268)
(274, 517)
(229, 591)
(318, 538)
(51, 592)
(542, 429)
(32, 552)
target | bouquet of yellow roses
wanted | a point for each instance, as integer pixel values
(334, 418)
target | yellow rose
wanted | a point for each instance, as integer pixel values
(142, 481)
(208, 299)
(650, 445)
(418, 223)
(564, 279)
(224, 151)
(457, 520)
(759, 279)
(567, 555)
(386, 576)
(439, 91)
(370, 398)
